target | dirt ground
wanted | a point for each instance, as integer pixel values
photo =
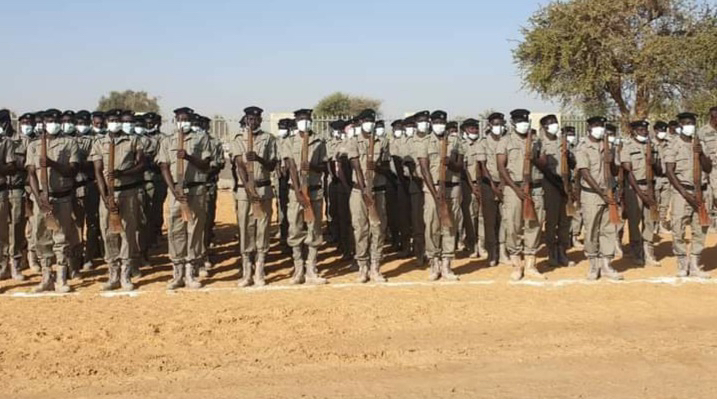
(650, 337)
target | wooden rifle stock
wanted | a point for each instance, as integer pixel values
(50, 220)
(250, 188)
(371, 205)
(614, 213)
(565, 175)
(697, 177)
(115, 222)
(308, 210)
(186, 212)
(650, 176)
(529, 214)
(444, 214)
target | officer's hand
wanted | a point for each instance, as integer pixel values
(181, 154)
(610, 157)
(305, 167)
(370, 165)
(368, 198)
(698, 147)
(44, 162)
(476, 192)
(303, 200)
(251, 156)
(180, 197)
(608, 200)
(520, 192)
(44, 205)
(647, 199)
(692, 200)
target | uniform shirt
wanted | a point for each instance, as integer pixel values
(680, 153)
(487, 154)
(126, 149)
(19, 152)
(265, 147)
(7, 155)
(358, 148)
(316, 155)
(84, 147)
(218, 159)
(513, 147)
(472, 148)
(429, 148)
(661, 146)
(708, 135)
(554, 154)
(61, 150)
(150, 146)
(196, 145)
(589, 155)
(636, 153)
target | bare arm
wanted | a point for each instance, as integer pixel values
(427, 177)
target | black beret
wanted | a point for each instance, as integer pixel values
(151, 116)
(439, 115)
(284, 123)
(636, 124)
(4, 114)
(113, 112)
(519, 114)
(609, 127)
(256, 111)
(674, 124)
(544, 120)
(366, 114)
(98, 114)
(303, 112)
(470, 122)
(27, 115)
(380, 123)
(597, 119)
(83, 115)
(570, 129)
(452, 125)
(397, 122)
(292, 122)
(69, 113)
(205, 119)
(496, 115)
(687, 115)
(183, 110)
(422, 114)
(195, 117)
(128, 113)
(411, 120)
(52, 113)
(139, 118)
(338, 124)
(660, 125)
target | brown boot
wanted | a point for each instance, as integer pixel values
(683, 266)
(33, 261)
(46, 283)
(362, 272)
(530, 268)
(695, 269)
(607, 271)
(594, 271)
(312, 273)
(517, 263)
(435, 269)
(649, 251)
(113, 282)
(15, 272)
(61, 280)
(189, 280)
(126, 278)
(376, 275)
(446, 271)
(246, 278)
(259, 270)
(177, 276)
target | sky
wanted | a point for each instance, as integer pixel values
(221, 56)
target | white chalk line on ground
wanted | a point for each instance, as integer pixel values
(672, 281)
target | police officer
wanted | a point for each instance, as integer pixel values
(679, 160)
(282, 187)
(54, 228)
(7, 168)
(218, 162)
(595, 201)
(663, 188)
(576, 222)
(399, 145)
(254, 205)
(188, 206)
(471, 190)
(341, 189)
(708, 133)
(440, 234)
(122, 249)
(415, 138)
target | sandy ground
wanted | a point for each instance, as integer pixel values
(481, 338)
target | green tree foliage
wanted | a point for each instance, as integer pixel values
(137, 101)
(626, 58)
(342, 104)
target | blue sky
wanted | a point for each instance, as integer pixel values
(220, 56)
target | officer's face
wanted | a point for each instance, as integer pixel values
(98, 122)
(253, 121)
(150, 123)
(67, 119)
(182, 118)
(471, 130)
(113, 118)
(140, 123)
(713, 118)
(128, 118)
(641, 131)
(497, 122)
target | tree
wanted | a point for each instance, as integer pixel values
(137, 101)
(628, 58)
(341, 104)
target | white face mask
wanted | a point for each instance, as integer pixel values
(304, 125)
(522, 127)
(128, 127)
(335, 133)
(27, 130)
(294, 132)
(641, 139)
(196, 129)
(439, 129)
(662, 135)
(410, 131)
(68, 128)
(283, 133)
(497, 130)
(350, 132)
(597, 132)
(423, 127)
(98, 130)
(152, 130)
(398, 133)
(53, 128)
(140, 129)
(82, 129)
(473, 136)
(554, 129)
(380, 131)
(367, 127)
(571, 139)
(114, 127)
(688, 130)
(185, 126)
(611, 139)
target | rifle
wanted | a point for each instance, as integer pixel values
(308, 211)
(607, 173)
(620, 180)
(50, 220)
(372, 212)
(250, 181)
(650, 175)
(697, 177)
(446, 218)
(186, 212)
(565, 174)
(528, 204)
(115, 223)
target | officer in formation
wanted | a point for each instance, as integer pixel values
(76, 186)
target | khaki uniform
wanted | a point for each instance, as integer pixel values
(300, 232)
(663, 188)
(212, 189)
(283, 195)
(473, 223)
(492, 207)
(415, 190)
(160, 189)
(55, 244)
(557, 222)
(122, 251)
(369, 234)
(576, 223)
(708, 134)
(84, 146)
(186, 239)
(638, 215)
(440, 242)
(7, 156)
(147, 196)
(402, 208)
(332, 145)
(521, 237)
(342, 209)
(18, 243)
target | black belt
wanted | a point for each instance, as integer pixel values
(79, 184)
(129, 186)
(532, 184)
(194, 184)
(258, 184)
(311, 188)
(486, 180)
(692, 188)
(589, 190)
(448, 184)
(61, 194)
(643, 182)
(377, 189)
